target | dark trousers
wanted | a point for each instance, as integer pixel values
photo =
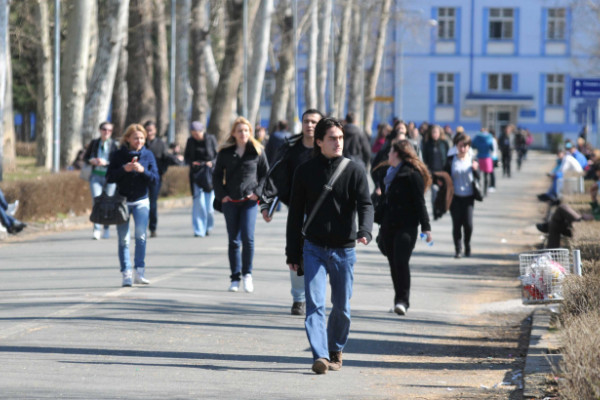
(153, 192)
(493, 178)
(399, 245)
(561, 223)
(461, 211)
(506, 159)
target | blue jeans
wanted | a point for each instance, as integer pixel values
(97, 184)
(140, 213)
(153, 191)
(203, 214)
(339, 264)
(240, 219)
(297, 287)
(5, 219)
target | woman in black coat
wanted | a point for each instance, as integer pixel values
(404, 210)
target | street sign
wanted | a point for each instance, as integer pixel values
(589, 88)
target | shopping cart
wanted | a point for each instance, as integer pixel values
(542, 273)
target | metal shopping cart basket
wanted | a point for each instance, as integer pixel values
(542, 273)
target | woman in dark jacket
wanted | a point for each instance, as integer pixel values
(463, 169)
(200, 151)
(133, 168)
(404, 187)
(435, 152)
(239, 175)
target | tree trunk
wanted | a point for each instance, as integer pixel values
(161, 68)
(323, 61)
(341, 62)
(285, 72)
(199, 30)
(183, 91)
(141, 104)
(45, 102)
(73, 78)
(258, 63)
(374, 72)
(93, 48)
(357, 72)
(119, 97)
(113, 23)
(230, 74)
(4, 64)
(212, 72)
(310, 91)
(9, 161)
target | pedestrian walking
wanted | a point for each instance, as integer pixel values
(201, 152)
(329, 238)
(505, 144)
(276, 140)
(435, 151)
(239, 175)
(133, 169)
(278, 186)
(464, 170)
(163, 158)
(403, 210)
(483, 142)
(356, 144)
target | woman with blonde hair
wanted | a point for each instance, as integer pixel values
(403, 210)
(238, 178)
(133, 168)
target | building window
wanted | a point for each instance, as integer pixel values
(555, 89)
(500, 82)
(445, 89)
(556, 24)
(501, 23)
(446, 19)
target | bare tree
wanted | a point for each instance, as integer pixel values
(119, 96)
(231, 71)
(73, 78)
(323, 61)
(183, 91)
(141, 104)
(341, 61)
(45, 101)
(93, 48)
(4, 73)
(373, 76)
(113, 16)
(161, 67)
(310, 91)
(199, 32)
(361, 18)
(258, 63)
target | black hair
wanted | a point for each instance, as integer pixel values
(312, 111)
(149, 123)
(350, 118)
(104, 123)
(321, 129)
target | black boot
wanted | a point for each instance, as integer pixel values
(468, 250)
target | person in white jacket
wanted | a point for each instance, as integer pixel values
(566, 165)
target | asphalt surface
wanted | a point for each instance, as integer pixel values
(68, 330)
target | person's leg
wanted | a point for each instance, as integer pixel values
(123, 235)
(232, 221)
(153, 191)
(485, 183)
(141, 214)
(210, 211)
(434, 192)
(96, 187)
(109, 189)
(3, 202)
(493, 179)
(198, 211)
(297, 283)
(468, 223)
(248, 212)
(341, 276)
(456, 214)
(404, 242)
(315, 280)
(508, 162)
(6, 219)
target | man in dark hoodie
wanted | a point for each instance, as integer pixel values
(356, 143)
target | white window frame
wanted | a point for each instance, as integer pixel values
(556, 24)
(499, 81)
(555, 90)
(446, 18)
(506, 18)
(444, 89)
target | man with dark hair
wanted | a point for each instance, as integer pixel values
(329, 240)
(296, 150)
(163, 159)
(356, 143)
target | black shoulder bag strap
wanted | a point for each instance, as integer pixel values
(326, 189)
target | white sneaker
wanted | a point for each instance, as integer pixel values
(400, 309)
(12, 208)
(248, 285)
(139, 277)
(491, 189)
(96, 235)
(127, 278)
(106, 233)
(235, 286)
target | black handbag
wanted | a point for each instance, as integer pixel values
(110, 210)
(203, 177)
(477, 192)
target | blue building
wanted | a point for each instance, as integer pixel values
(488, 63)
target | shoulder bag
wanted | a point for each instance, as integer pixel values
(110, 210)
(477, 192)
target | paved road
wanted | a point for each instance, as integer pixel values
(68, 330)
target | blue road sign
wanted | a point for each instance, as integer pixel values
(589, 88)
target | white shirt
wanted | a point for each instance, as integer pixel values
(570, 164)
(462, 176)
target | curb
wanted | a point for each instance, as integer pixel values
(542, 358)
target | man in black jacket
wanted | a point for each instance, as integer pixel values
(295, 151)
(329, 241)
(356, 144)
(161, 152)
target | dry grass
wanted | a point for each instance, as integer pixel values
(580, 366)
(586, 237)
(175, 182)
(26, 149)
(582, 295)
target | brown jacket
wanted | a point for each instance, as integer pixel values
(446, 192)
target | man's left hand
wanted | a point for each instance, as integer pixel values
(362, 240)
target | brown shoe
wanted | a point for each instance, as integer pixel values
(335, 360)
(320, 366)
(152, 234)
